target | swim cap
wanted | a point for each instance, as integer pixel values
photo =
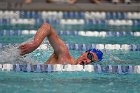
(97, 52)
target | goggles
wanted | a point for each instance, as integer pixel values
(91, 56)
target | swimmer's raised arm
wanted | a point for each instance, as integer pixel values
(42, 32)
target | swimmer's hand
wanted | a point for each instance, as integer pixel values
(27, 48)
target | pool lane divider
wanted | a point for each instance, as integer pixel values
(49, 68)
(128, 47)
(99, 33)
(73, 33)
(84, 47)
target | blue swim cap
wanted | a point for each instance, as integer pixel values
(97, 52)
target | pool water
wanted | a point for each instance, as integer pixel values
(73, 82)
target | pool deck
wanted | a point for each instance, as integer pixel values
(38, 6)
(83, 7)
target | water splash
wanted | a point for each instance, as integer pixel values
(42, 55)
(11, 54)
(116, 57)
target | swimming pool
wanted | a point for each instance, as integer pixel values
(115, 33)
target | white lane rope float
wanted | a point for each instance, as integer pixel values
(75, 46)
(73, 33)
(49, 68)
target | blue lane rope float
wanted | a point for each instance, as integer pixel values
(130, 47)
(99, 34)
(73, 33)
(84, 47)
(69, 14)
(98, 22)
(41, 68)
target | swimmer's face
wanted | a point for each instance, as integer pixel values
(87, 58)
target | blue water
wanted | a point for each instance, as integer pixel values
(72, 82)
(80, 39)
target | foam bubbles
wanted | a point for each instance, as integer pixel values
(11, 54)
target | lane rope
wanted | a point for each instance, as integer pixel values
(40, 68)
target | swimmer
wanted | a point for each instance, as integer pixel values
(61, 53)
